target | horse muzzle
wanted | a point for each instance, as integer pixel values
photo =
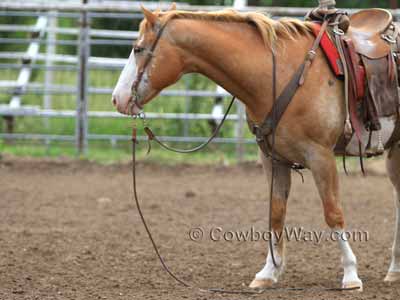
(129, 106)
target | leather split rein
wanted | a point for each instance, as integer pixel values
(262, 132)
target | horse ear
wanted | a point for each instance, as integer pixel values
(150, 17)
(173, 6)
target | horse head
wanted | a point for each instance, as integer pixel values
(153, 64)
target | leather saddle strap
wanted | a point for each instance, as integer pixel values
(348, 132)
(353, 89)
(313, 52)
(282, 102)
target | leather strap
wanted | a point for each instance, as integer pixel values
(339, 33)
(353, 90)
(282, 102)
(313, 52)
(279, 107)
(149, 56)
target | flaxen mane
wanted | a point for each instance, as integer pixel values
(271, 30)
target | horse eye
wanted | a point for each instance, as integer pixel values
(137, 49)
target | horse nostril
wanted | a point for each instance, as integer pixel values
(114, 100)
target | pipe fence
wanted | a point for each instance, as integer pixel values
(23, 96)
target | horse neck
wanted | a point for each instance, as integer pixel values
(235, 57)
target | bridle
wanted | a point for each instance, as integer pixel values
(149, 56)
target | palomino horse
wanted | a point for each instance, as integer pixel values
(234, 50)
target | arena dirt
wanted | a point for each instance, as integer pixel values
(69, 230)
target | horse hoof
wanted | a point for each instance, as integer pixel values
(354, 285)
(261, 283)
(392, 277)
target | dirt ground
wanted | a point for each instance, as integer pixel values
(69, 230)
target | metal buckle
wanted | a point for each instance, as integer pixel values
(389, 38)
(142, 116)
(311, 55)
(254, 129)
(338, 31)
(257, 132)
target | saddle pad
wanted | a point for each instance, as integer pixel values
(330, 51)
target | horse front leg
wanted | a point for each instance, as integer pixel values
(323, 167)
(282, 181)
(393, 169)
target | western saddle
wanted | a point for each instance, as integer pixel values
(367, 30)
(368, 43)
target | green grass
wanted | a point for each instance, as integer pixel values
(112, 126)
(102, 152)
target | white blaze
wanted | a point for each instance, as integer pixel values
(122, 91)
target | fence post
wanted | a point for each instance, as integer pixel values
(50, 51)
(187, 108)
(81, 129)
(241, 113)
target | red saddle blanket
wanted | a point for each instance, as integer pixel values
(329, 48)
(356, 67)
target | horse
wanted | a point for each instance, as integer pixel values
(235, 50)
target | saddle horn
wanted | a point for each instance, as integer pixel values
(327, 4)
(325, 8)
